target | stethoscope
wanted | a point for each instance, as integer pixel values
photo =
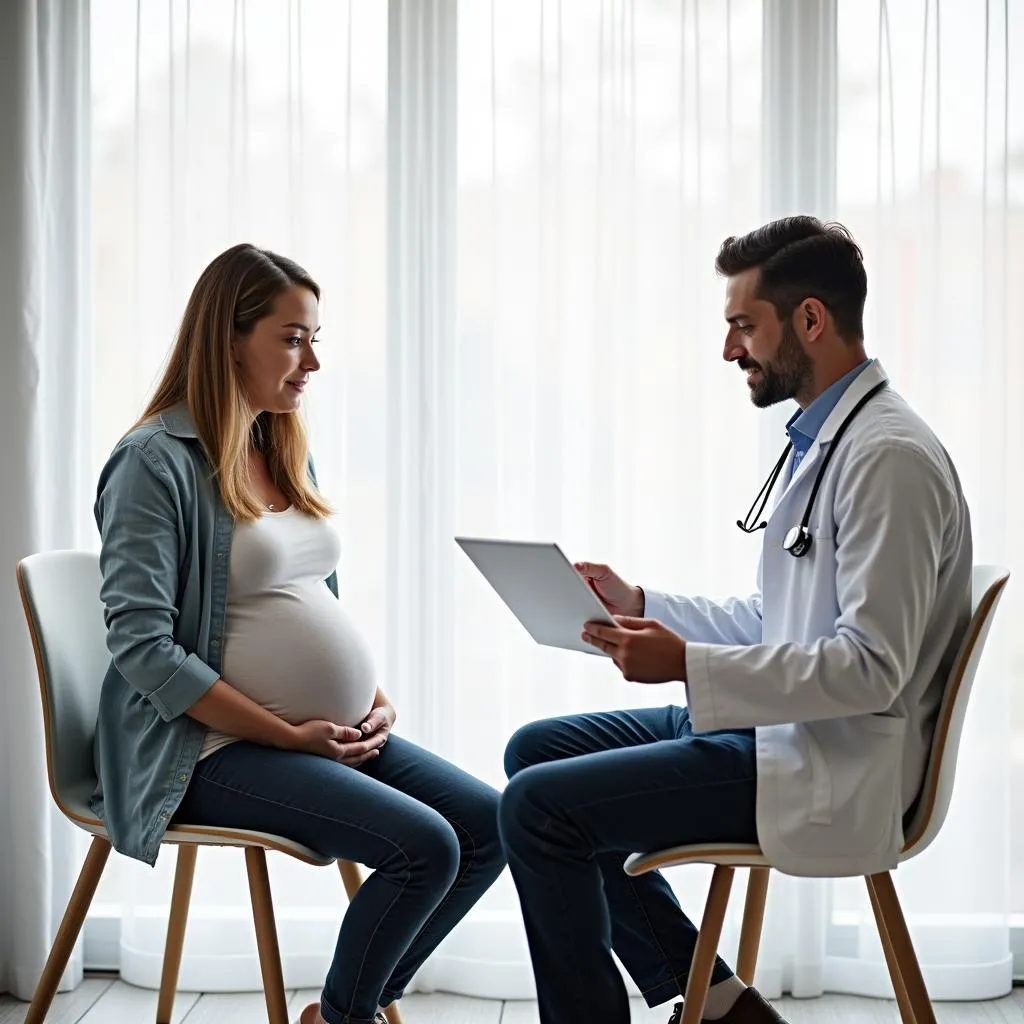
(798, 540)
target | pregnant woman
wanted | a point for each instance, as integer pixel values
(240, 694)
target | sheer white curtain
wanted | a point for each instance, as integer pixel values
(522, 337)
(44, 398)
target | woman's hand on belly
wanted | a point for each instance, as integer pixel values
(342, 743)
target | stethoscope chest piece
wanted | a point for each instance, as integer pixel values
(797, 541)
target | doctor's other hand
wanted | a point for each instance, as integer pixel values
(644, 650)
(618, 596)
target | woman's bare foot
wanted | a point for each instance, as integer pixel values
(311, 1015)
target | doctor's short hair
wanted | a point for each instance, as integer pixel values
(800, 258)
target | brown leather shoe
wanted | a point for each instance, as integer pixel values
(750, 1008)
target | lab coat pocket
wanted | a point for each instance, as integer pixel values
(858, 791)
(821, 784)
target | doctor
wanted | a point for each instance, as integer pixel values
(809, 704)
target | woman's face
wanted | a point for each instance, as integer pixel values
(276, 360)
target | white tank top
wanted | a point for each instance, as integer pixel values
(288, 644)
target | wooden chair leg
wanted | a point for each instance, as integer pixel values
(70, 926)
(753, 922)
(392, 1014)
(902, 999)
(707, 945)
(352, 876)
(184, 872)
(266, 934)
(904, 959)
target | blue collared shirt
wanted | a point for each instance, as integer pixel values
(804, 425)
(164, 558)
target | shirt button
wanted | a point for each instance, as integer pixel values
(220, 554)
(215, 643)
(184, 778)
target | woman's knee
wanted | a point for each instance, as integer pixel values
(430, 848)
(529, 745)
(478, 830)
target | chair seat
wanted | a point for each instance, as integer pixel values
(733, 855)
(76, 806)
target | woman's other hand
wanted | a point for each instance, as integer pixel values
(325, 739)
(371, 736)
(379, 722)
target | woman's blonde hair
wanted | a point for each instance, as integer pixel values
(234, 292)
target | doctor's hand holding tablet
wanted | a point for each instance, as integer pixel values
(644, 650)
(584, 606)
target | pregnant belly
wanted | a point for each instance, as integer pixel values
(299, 655)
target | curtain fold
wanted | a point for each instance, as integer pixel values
(420, 354)
(44, 399)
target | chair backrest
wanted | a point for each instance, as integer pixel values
(987, 584)
(61, 594)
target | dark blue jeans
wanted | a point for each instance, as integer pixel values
(586, 791)
(428, 829)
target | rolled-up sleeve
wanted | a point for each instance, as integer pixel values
(138, 521)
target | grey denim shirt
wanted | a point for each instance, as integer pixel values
(164, 558)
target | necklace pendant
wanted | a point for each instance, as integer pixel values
(270, 508)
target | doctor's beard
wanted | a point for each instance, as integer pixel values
(789, 371)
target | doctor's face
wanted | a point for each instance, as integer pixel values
(766, 348)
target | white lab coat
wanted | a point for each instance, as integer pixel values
(840, 658)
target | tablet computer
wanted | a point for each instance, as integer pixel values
(541, 588)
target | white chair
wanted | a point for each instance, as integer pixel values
(912, 996)
(60, 592)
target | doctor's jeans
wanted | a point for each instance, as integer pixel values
(586, 791)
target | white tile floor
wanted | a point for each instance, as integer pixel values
(105, 1001)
